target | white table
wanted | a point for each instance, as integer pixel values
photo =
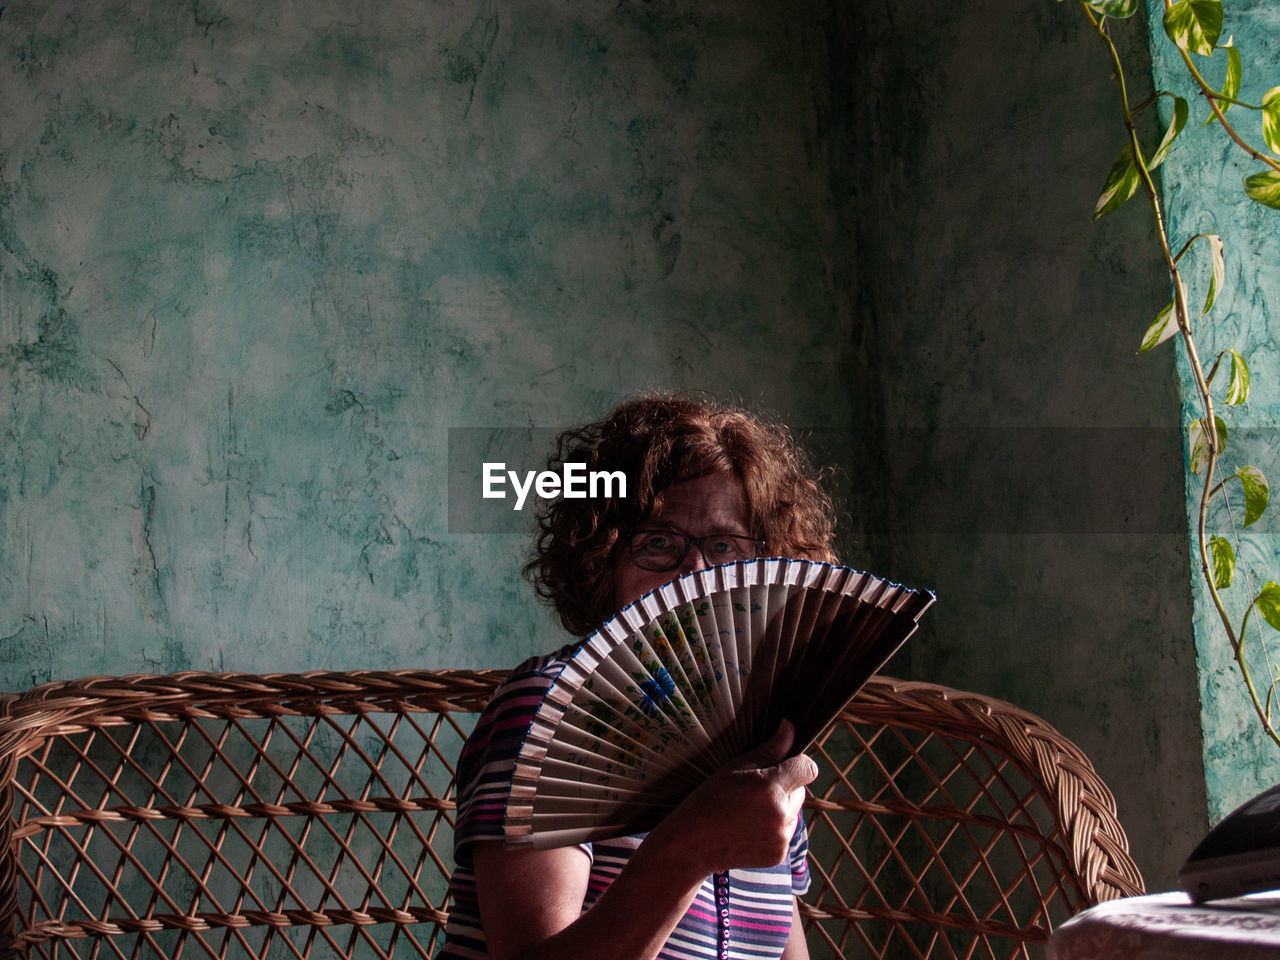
(1168, 926)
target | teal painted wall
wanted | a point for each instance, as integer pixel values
(256, 261)
(1203, 193)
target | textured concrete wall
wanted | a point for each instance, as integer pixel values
(1033, 460)
(1203, 192)
(257, 259)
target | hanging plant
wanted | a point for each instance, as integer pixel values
(1241, 496)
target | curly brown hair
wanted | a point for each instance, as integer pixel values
(657, 441)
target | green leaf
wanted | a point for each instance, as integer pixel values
(1219, 271)
(1263, 187)
(1176, 123)
(1230, 82)
(1200, 443)
(1271, 119)
(1223, 559)
(1163, 327)
(1122, 181)
(1238, 384)
(1117, 9)
(1256, 493)
(1194, 25)
(1268, 603)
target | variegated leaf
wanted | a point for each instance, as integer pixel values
(1218, 271)
(1230, 82)
(1176, 123)
(1271, 119)
(1200, 450)
(1116, 9)
(1164, 326)
(1122, 181)
(1264, 187)
(1267, 603)
(1223, 559)
(1194, 25)
(1238, 380)
(1256, 493)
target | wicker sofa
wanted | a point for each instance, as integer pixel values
(231, 815)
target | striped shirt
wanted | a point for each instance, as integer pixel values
(736, 915)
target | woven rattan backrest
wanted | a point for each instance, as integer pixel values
(946, 824)
(201, 815)
(225, 815)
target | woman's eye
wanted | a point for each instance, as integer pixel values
(657, 542)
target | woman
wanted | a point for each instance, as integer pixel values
(705, 484)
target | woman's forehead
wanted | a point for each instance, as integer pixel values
(714, 503)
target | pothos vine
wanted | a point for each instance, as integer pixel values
(1195, 28)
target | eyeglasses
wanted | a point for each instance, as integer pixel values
(661, 550)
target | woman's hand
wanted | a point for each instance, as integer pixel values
(745, 814)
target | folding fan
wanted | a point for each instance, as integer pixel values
(690, 676)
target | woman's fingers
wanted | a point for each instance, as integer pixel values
(775, 749)
(791, 772)
(796, 772)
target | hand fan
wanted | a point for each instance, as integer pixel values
(690, 676)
